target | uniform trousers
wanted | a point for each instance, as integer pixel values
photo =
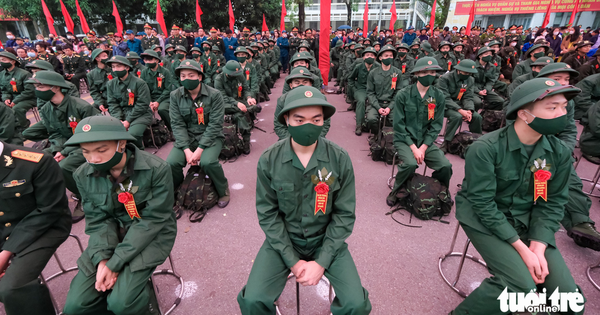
(360, 96)
(20, 109)
(434, 159)
(455, 119)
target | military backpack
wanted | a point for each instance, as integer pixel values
(424, 197)
(382, 145)
(461, 142)
(156, 135)
(197, 193)
(492, 120)
(233, 145)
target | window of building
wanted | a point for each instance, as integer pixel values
(558, 19)
(521, 19)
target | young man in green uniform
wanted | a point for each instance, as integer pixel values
(220, 61)
(458, 88)
(457, 51)
(41, 65)
(305, 235)
(485, 78)
(128, 200)
(248, 71)
(334, 59)
(179, 56)
(354, 59)
(128, 99)
(134, 60)
(210, 60)
(98, 78)
(160, 82)
(358, 81)
(34, 221)
(169, 54)
(382, 85)
(15, 93)
(404, 62)
(535, 52)
(513, 198)
(197, 112)
(536, 67)
(418, 119)
(9, 132)
(444, 57)
(590, 95)
(302, 59)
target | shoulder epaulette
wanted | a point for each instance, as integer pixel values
(27, 156)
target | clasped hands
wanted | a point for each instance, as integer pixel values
(308, 272)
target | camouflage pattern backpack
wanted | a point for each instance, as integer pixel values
(492, 120)
(233, 145)
(425, 197)
(461, 142)
(156, 135)
(197, 193)
(382, 145)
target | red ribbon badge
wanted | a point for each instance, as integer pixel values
(495, 64)
(202, 67)
(322, 190)
(161, 64)
(458, 62)
(460, 93)
(200, 112)
(131, 98)
(209, 61)
(139, 73)
(430, 111)
(73, 125)
(247, 75)
(403, 68)
(126, 198)
(240, 90)
(394, 80)
(540, 184)
(218, 62)
(449, 65)
(159, 82)
(110, 77)
(14, 85)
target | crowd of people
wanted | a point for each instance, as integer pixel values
(519, 187)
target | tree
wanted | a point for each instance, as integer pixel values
(441, 11)
(301, 14)
(350, 7)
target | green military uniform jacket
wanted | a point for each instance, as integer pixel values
(7, 125)
(74, 64)
(33, 204)
(590, 94)
(450, 85)
(448, 62)
(148, 42)
(244, 41)
(220, 64)
(285, 200)
(486, 77)
(349, 63)
(210, 62)
(569, 134)
(359, 74)
(174, 64)
(229, 90)
(217, 42)
(251, 76)
(184, 119)
(178, 41)
(97, 81)
(518, 81)
(56, 119)
(497, 193)
(589, 142)
(137, 69)
(25, 91)
(294, 43)
(379, 87)
(146, 242)
(335, 55)
(522, 68)
(51, 58)
(411, 122)
(408, 64)
(118, 99)
(158, 94)
(93, 45)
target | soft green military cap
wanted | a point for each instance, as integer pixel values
(534, 47)
(466, 65)
(369, 50)
(40, 64)
(557, 67)
(167, 46)
(180, 48)
(303, 96)
(542, 61)
(299, 72)
(483, 50)
(426, 63)
(150, 53)
(387, 48)
(132, 55)
(119, 59)
(403, 45)
(196, 49)
(99, 128)
(10, 56)
(426, 46)
(216, 48)
(97, 52)
(191, 65)
(300, 56)
(232, 68)
(156, 46)
(240, 49)
(48, 78)
(537, 89)
(339, 43)
(445, 43)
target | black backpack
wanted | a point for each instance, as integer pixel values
(461, 142)
(197, 193)
(233, 145)
(492, 119)
(382, 145)
(156, 135)
(41, 145)
(424, 197)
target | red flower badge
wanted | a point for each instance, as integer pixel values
(73, 124)
(199, 110)
(139, 73)
(110, 77)
(322, 188)
(14, 85)
(542, 175)
(430, 111)
(124, 197)
(495, 64)
(159, 81)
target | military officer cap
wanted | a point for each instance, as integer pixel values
(455, 27)
(462, 28)
(520, 27)
(167, 46)
(498, 30)
(426, 46)
(132, 55)
(299, 72)
(557, 67)
(474, 28)
(303, 96)
(175, 27)
(465, 37)
(437, 28)
(191, 65)
(537, 89)
(156, 46)
(240, 49)
(99, 128)
(445, 43)
(339, 43)
(369, 50)
(543, 61)
(513, 27)
(180, 48)
(387, 48)
(150, 53)
(295, 29)
(583, 43)
(196, 49)
(216, 48)
(466, 65)
(233, 68)
(119, 59)
(245, 29)
(491, 27)
(403, 45)
(426, 63)
(10, 56)
(494, 42)
(358, 46)
(91, 33)
(48, 78)
(534, 47)
(97, 52)
(147, 26)
(483, 50)
(213, 30)
(40, 64)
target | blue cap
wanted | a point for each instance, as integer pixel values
(140, 34)
(129, 32)
(283, 31)
(411, 27)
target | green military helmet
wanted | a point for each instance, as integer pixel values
(196, 49)
(303, 96)
(99, 128)
(459, 43)
(376, 44)
(494, 42)
(180, 48)
(191, 65)
(150, 53)
(271, 40)
(537, 89)
(40, 64)
(300, 56)
(466, 65)
(403, 45)
(426, 46)
(97, 52)
(156, 46)
(254, 44)
(416, 42)
(339, 43)
(304, 44)
(369, 50)
(389, 40)
(543, 61)
(534, 47)
(10, 56)
(299, 72)
(48, 77)
(119, 59)
(169, 46)
(358, 46)
(483, 50)
(557, 67)
(215, 48)
(232, 68)
(445, 43)
(132, 55)
(387, 48)
(206, 43)
(251, 51)
(240, 49)
(365, 42)
(426, 63)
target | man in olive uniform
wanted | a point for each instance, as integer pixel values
(248, 71)
(590, 95)
(457, 51)
(73, 66)
(485, 78)
(514, 37)
(334, 59)
(149, 40)
(415, 48)
(16, 94)
(238, 101)
(220, 60)
(35, 221)
(536, 67)
(473, 40)
(382, 84)
(435, 39)
(425, 50)
(210, 59)
(180, 52)
(512, 227)
(43, 54)
(128, 200)
(134, 60)
(302, 59)
(404, 63)
(214, 40)
(444, 56)
(176, 39)
(579, 57)
(312, 243)
(169, 55)
(41, 65)
(128, 99)
(98, 78)
(294, 41)
(92, 42)
(532, 54)
(159, 81)
(358, 81)
(458, 87)
(354, 59)
(245, 39)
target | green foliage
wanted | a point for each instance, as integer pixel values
(441, 11)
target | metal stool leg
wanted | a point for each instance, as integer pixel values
(594, 180)
(36, 114)
(290, 276)
(390, 182)
(594, 283)
(173, 273)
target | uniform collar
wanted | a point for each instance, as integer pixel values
(514, 143)
(320, 152)
(63, 105)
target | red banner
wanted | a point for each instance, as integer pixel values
(496, 7)
(394, 16)
(471, 18)
(160, 18)
(84, 26)
(231, 18)
(365, 20)
(432, 20)
(325, 26)
(198, 14)
(283, 14)
(49, 18)
(67, 16)
(264, 26)
(115, 13)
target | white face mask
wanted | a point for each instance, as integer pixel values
(571, 32)
(544, 33)
(513, 44)
(10, 37)
(513, 32)
(555, 33)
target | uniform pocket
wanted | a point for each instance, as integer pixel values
(285, 196)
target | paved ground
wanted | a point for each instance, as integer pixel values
(398, 265)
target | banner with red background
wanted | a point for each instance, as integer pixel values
(495, 7)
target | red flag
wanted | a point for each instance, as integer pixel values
(161, 18)
(325, 26)
(547, 17)
(264, 27)
(68, 20)
(231, 18)
(115, 13)
(432, 20)
(573, 14)
(365, 19)
(49, 18)
(283, 14)
(394, 16)
(471, 18)
(1, 46)
(198, 14)
(82, 21)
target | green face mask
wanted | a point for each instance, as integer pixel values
(6, 65)
(195, 56)
(106, 166)
(242, 59)
(387, 61)
(180, 56)
(190, 84)
(44, 95)
(121, 73)
(206, 48)
(486, 58)
(133, 62)
(415, 50)
(426, 80)
(370, 60)
(534, 73)
(170, 52)
(538, 55)
(306, 134)
(402, 53)
(463, 77)
(151, 65)
(548, 126)
(444, 53)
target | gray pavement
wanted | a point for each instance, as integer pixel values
(398, 265)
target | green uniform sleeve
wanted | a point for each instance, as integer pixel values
(178, 125)
(442, 84)
(438, 121)
(280, 129)
(167, 83)
(468, 98)
(352, 77)
(94, 89)
(371, 93)
(326, 126)
(519, 70)
(215, 122)
(7, 123)
(254, 84)
(28, 92)
(229, 102)
(142, 102)
(584, 99)
(401, 135)
(569, 134)
(491, 78)
(114, 108)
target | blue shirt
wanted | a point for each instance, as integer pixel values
(135, 46)
(199, 40)
(409, 38)
(120, 49)
(229, 52)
